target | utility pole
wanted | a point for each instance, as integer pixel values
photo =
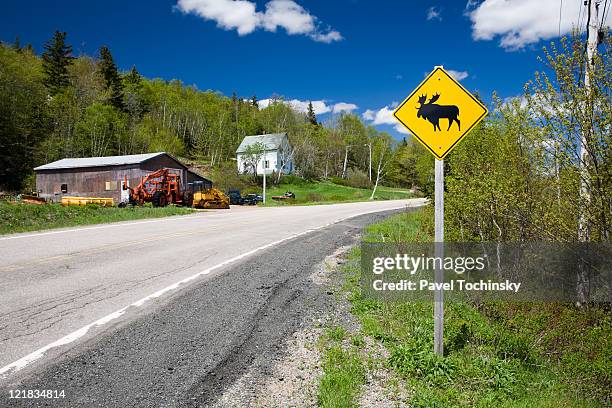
(591, 49)
(585, 193)
(264, 177)
(370, 172)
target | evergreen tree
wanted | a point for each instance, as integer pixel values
(133, 77)
(254, 101)
(310, 115)
(56, 60)
(17, 44)
(134, 101)
(235, 107)
(110, 75)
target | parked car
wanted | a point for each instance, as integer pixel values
(235, 197)
(251, 199)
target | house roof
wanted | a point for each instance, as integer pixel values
(271, 141)
(73, 163)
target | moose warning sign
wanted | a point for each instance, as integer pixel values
(440, 112)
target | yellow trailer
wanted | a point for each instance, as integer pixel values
(81, 201)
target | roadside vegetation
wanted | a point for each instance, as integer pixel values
(355, 187)
(19, 217)
(327, 193)
(496, 354)
(343, 369)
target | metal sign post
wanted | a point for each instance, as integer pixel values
(440, 99)
(439, 254)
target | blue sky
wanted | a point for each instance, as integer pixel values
(340, 53)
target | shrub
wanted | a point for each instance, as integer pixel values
(226, 177)
(355, 178)
(293, 179)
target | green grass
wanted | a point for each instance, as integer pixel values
(496, 354)
(324, 192)
(31, 217)
(343, 370)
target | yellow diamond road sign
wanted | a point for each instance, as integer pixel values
(440, 112)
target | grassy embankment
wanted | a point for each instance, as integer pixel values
(17, 217)
(496, 354)
(324, 192)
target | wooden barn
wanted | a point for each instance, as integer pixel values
(104, 176)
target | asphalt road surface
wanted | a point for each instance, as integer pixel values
(163, 312)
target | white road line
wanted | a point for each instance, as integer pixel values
(30, 358)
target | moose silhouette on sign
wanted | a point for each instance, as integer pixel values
(433, 112)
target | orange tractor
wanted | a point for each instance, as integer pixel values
(163, 187)
(159, 188)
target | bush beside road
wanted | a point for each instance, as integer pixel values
(496, 354)
(19, 217)
(311, 193)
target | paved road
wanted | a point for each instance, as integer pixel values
(60, 289)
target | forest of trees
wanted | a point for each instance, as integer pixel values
(56, 105)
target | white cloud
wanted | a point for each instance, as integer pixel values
(471, 4)
(522, 22)
(319, 107)
(288, 15)
(458, 75)
(433, 13)
(228, 14)
(328, 37)
(401, 129)
(242, 16)
(344, 107)
(368, 114)
(521, 100)
(382, 116)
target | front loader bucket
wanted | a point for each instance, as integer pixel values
(219, 205)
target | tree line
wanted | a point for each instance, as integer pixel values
(57, 105)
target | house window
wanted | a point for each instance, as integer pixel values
(266, 164)
(64, 188)
(110, 186)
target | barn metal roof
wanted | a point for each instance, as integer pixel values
(98, 161)
(272, 141)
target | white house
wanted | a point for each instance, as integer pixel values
(277, 155)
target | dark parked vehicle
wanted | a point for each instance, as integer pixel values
(235, 197)
(251, 199)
